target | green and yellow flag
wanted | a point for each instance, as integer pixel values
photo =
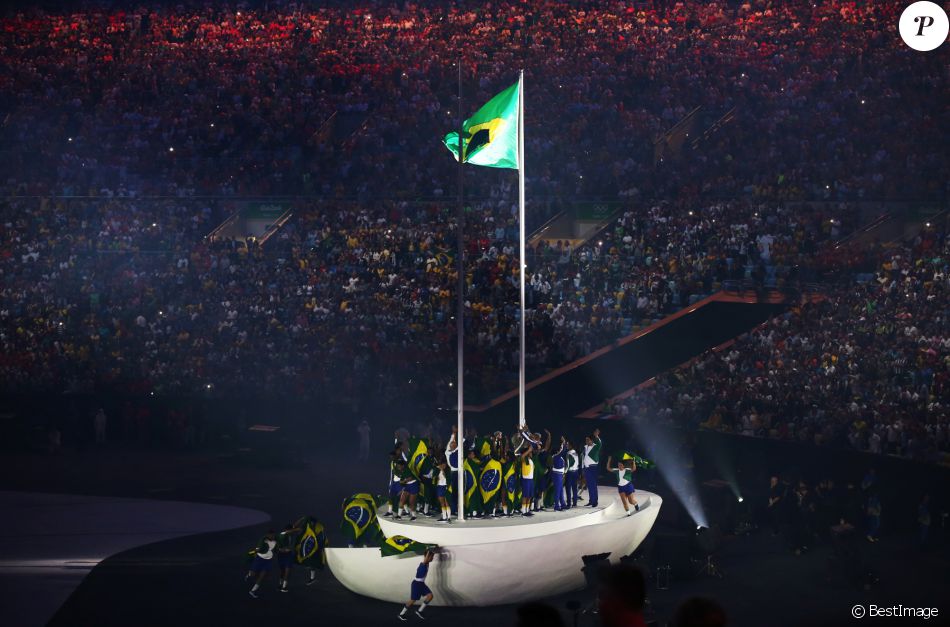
(310, 547)
(471, 484)
(645, 464)
(400, 545)
(491, 135)
(489, 483)
(512, 483)
(418, 451)
(358, 517)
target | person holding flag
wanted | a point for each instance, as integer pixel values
(263, 561)
(410, 491)
(395, 488)
(419, 590)
(489, 483)
(591, 465)
(311, 545)
(625, 483)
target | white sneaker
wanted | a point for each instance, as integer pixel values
(419, 614)
(253, 594)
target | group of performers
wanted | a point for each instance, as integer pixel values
(523, 474)
(301, 543)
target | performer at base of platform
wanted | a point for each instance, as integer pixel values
(419, 590)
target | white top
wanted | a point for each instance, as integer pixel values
(269, 553)
(442, 479)
(623, 477)
(572, 460)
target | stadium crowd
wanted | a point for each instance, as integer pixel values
(867, 367)
(171, 99)
(151, 108)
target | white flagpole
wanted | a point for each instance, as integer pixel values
(522, 258)
(460, 317)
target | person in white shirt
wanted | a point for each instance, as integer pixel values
(591, 465)
(570, 477)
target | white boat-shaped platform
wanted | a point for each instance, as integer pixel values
(499, 561)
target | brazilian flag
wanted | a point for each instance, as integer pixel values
(418, 452)
(358, 517)
(512, 483)
(641, 463)
(310, 550)
(483, 448)
(401, 545)
(489, 482)
(471, 485)
(490, 137)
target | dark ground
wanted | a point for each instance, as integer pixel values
(199, 580)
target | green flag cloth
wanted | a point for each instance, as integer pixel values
(645, 464)
(358, 517)
(400, 545)
(489, 482)
(512, 484)
(418, 451)
(483, 449)
(310, 547)
(491, 135)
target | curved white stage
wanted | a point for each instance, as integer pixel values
(495, 562)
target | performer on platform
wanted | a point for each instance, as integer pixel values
(285, 553)
(394, 486)
(542, 471)
(263, 561)
(558, 468)
(452, 459)
(419, 589)
(409, 494)
(570, 477)
(442, 490)
(625, 483)
(527, 481)
(591, 465)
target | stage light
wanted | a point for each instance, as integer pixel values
(70, 139)
(699, 528)
(741, 499)
(171, 149)
(663, 448)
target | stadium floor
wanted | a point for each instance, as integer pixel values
(198, 580)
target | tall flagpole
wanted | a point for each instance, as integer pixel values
(460, 313)
(523, 259)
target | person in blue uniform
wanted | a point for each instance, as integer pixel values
(410, 492)
(394, 487)
(625, 487)
(558, 469)
(419, 590)
(591, 465)
(263, 561)
(442, 490)
(285, 553)
(573, 463)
